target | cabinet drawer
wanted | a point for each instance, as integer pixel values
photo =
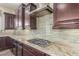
(27, 53)
(34, 51)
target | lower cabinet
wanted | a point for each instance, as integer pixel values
(2, 43)
(27, 53)
(9, 42)
(5, 43)
(30, 51)
(18, 48)
(14, 50)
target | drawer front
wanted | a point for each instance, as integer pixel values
(27, 53)
(34, 51)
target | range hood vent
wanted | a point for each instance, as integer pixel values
(42, 11)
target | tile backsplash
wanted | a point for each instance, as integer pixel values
(44, 30)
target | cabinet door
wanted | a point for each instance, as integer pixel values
(14, 49)
(9, 21)
(21, 17)
(32, 51)
(33, 22)
(66, 15)
(9, 42)
(2, 43)
(19, 49)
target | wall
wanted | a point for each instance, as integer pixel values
(2, 17)
(45, 31)
(63, 35)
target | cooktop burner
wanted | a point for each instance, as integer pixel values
(40, 42)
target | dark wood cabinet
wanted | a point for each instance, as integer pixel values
(32, 18)
(24, 19)
(9, 42)
(32, 6)
(30, 51)
(20, 17)
(18, 48)
(21, 49)
(2, 43)
(27, 53)
(9, 21)
(5, 43)
(33, 22)
(66, 15)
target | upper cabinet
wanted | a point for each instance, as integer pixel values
(9, 21)
(23, 19)
(20, 17)
(66, 15)
(31, 19)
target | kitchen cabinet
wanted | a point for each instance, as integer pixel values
(18, 48)
(9, 21)
(9, 42)
(2, 43)
(20, 17)
(23, 17)
(32, 18)
(66, 15)
(33, 22)
(30, 51)
(21, 49)
(5, 43)
(27, 53)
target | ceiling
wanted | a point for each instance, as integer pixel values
(12, 6)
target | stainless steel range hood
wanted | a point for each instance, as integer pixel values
(42, 11)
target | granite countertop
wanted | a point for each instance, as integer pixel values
(54, 49)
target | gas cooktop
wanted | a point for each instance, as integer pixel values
(40, 42)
